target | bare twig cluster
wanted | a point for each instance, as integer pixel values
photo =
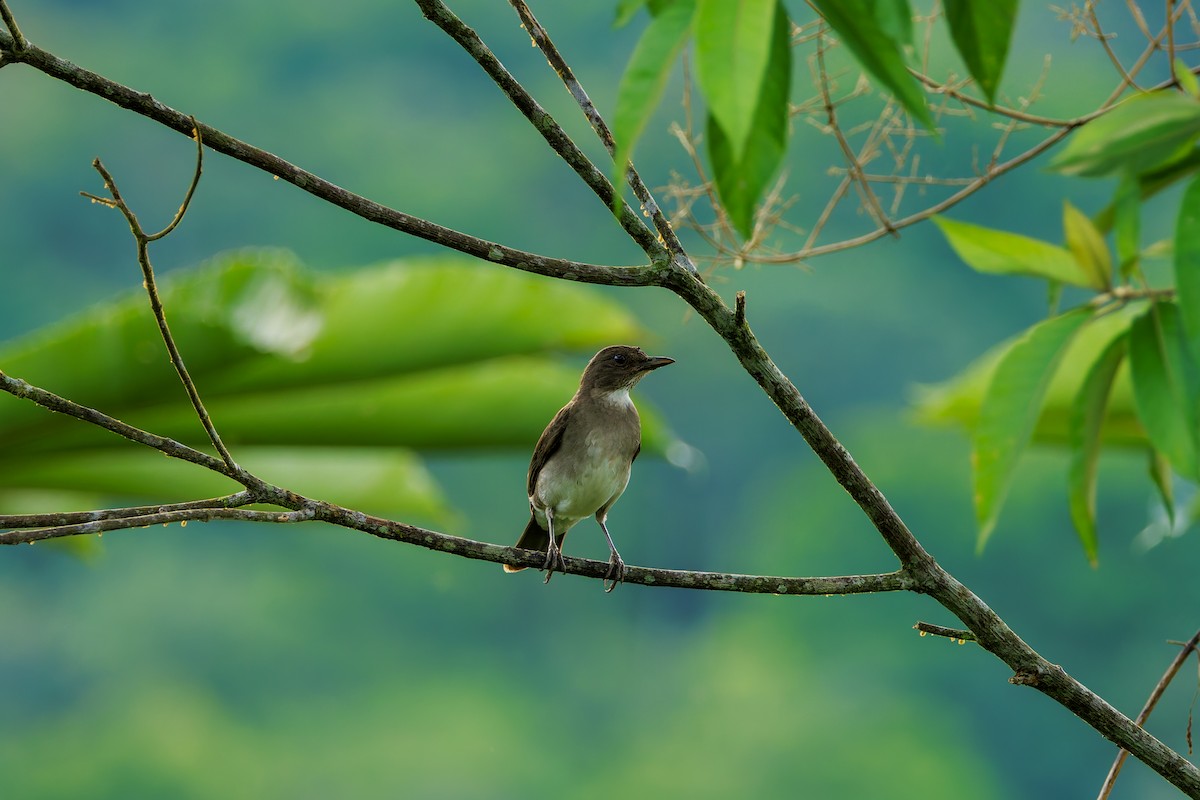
(669, 267)
(892, 173)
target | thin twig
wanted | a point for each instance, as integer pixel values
(437, 13)
(13, 521)
(1102, 37)
(1172, 670)
(160, 315)
(161, 518)
(542, 39)
(929, 629)
(854, 167)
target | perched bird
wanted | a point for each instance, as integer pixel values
(581, 463)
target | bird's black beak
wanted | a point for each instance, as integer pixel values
(654, 362)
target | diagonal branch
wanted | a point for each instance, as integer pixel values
(52, 402)
(10, 22)
(145, 104)
(542, 39)
(1188, 648)
(437, 13)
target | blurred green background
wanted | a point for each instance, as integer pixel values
(240, 661)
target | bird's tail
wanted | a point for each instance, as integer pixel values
(535, 537)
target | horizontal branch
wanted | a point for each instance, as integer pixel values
(303, 508)
(61, 518)
(145, 104)
(647, 576)
(185, 515)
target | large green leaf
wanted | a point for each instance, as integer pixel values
(645, 78)
(498, 403)
(733, 48)
(981, 33)
(1011, 408)
(1087, 419)
(877, 44)
(1166, 385)
(366, 365)
(1145, 133)
(989, 250)
(1187, 263)
(741, 181)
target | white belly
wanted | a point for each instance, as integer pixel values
(577, 488)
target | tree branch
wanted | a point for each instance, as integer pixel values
(10, 22)
(48, 400)
(542, 39)
(437, 13)
(57, 519)
(143, 239)
(145, 104)
(1188, 648)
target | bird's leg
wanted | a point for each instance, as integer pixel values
(554, 556)
(616, 567)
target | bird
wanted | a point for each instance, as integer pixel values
(581, 462)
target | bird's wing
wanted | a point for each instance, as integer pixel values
(549, 443)
(635, 452)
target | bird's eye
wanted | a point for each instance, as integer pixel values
(619, 358)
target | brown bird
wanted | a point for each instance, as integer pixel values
(581, 463)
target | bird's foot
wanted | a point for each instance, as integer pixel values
(554, 560)
(616, 572)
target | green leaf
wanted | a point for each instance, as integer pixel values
(1186, 78)
(1151, 183)
(626, 11)
(1160, 475)
(981, 33)
(1127, 222)
(877, 45)
(435, 409)
(895, 20)
(645, 78)
(958, 400)
(1166, 386)
(1087, 245)
(999, 252)
(1011, 408)
(1145, 133)
(742, 181)
(733, 47)
(1087, 418)
(1187, 263)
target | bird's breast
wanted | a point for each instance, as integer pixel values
(588, 472)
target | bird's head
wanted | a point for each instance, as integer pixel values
(619, 367)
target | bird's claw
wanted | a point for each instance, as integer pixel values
(554, 560)
(616, 572)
